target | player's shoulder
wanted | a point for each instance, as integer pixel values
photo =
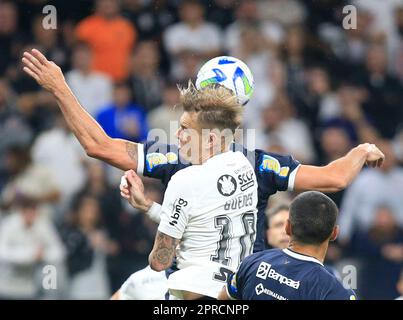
(186, 176)
(331, 287)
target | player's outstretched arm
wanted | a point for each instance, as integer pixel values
(97, 144)
(338, 174)
(162, 255)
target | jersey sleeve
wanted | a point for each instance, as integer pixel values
(331, 288)
(232, 287)
(176, 207)
(235, 282)
(277, 171)
(338, 292)
(157, 160)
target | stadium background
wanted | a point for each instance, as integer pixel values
(320, 90)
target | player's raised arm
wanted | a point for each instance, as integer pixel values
(338, 174)
(97, 144)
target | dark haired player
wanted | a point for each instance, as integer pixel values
(297, 272)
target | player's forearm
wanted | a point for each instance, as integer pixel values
(162, 255)
(88, 132)
(348, 167)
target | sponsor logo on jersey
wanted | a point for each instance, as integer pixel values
(177, 209)
(269, 163)
(156, 159)
(226, 185)
(172, 157)
(265, 271)
(260, 289)
(239, 202)
(246, 180)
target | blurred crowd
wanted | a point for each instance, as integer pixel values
(320, 90)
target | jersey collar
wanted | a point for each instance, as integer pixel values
(301, 256)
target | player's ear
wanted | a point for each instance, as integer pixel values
(288, 229)
(213, 139)
(335, 233)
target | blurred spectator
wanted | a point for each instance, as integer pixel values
(321, 102)
(247, 15)
(382, 24)
(110, 202)
(10, 36)
(192, 34)
(93, 89)
(59, 151)
(150, 18)
(285, 12)
(136, 236)
(111, 38)
(123, 119)
(371, 189)
(87, 246)
(13, 127)
(294, 54)
(221, 12)
(145, 80)
(252, 50)
(397, 58)
(30, 179)
(28, 241)
(383, 104)
(166, 116)
(335, 142)
(399, 286)
(380, 249)
(282, 128)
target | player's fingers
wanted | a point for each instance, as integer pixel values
(40, 56)
(124, 196)
(124, 190)
(31, 73)
(33, 60)
(30, 65)
(130, 178)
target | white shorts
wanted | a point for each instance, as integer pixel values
(145, 284)
(207, 280)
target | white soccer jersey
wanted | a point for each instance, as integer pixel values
(212, 209)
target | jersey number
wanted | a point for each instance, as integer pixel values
(224, 224)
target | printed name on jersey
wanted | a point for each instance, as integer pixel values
(226, 185)
(259, 289)
(178, 205)
(269, 163)
(246, 180)
(265, 271)
(239, 202)
(156, 159)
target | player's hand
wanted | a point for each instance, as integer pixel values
(46, 73)
(375, 156)
(132, 189)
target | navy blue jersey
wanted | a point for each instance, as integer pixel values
(277, 274)
(274, 173)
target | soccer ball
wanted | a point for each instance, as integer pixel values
(230, 72)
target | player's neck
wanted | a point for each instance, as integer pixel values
(211, 153)
(317, 252)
